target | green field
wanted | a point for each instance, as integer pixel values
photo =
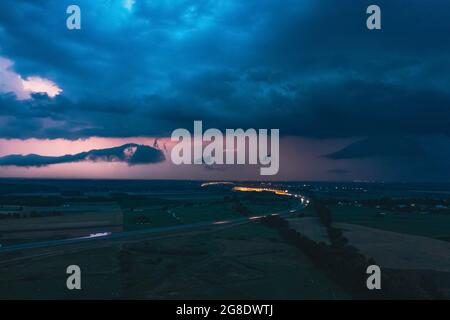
(161, 212)
(205, 212)
(429, 225)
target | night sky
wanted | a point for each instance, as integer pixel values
(350, 103)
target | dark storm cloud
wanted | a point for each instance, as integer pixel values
(310, 67)
(132, 154)
(380, 147)
(423, 158)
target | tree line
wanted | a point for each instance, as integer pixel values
(344, 263)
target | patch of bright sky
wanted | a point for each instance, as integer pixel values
(12, 82)
(41, 85)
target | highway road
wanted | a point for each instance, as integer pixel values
(149, 231)
(127, 234)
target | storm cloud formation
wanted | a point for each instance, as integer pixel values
(131, 153)
(308, 67)
(380, 147)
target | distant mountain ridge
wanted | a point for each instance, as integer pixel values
(130, 153)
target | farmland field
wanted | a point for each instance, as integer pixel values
(246, 261)
(185, 241)
(429, 225)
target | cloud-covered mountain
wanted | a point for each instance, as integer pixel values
(130, 153)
